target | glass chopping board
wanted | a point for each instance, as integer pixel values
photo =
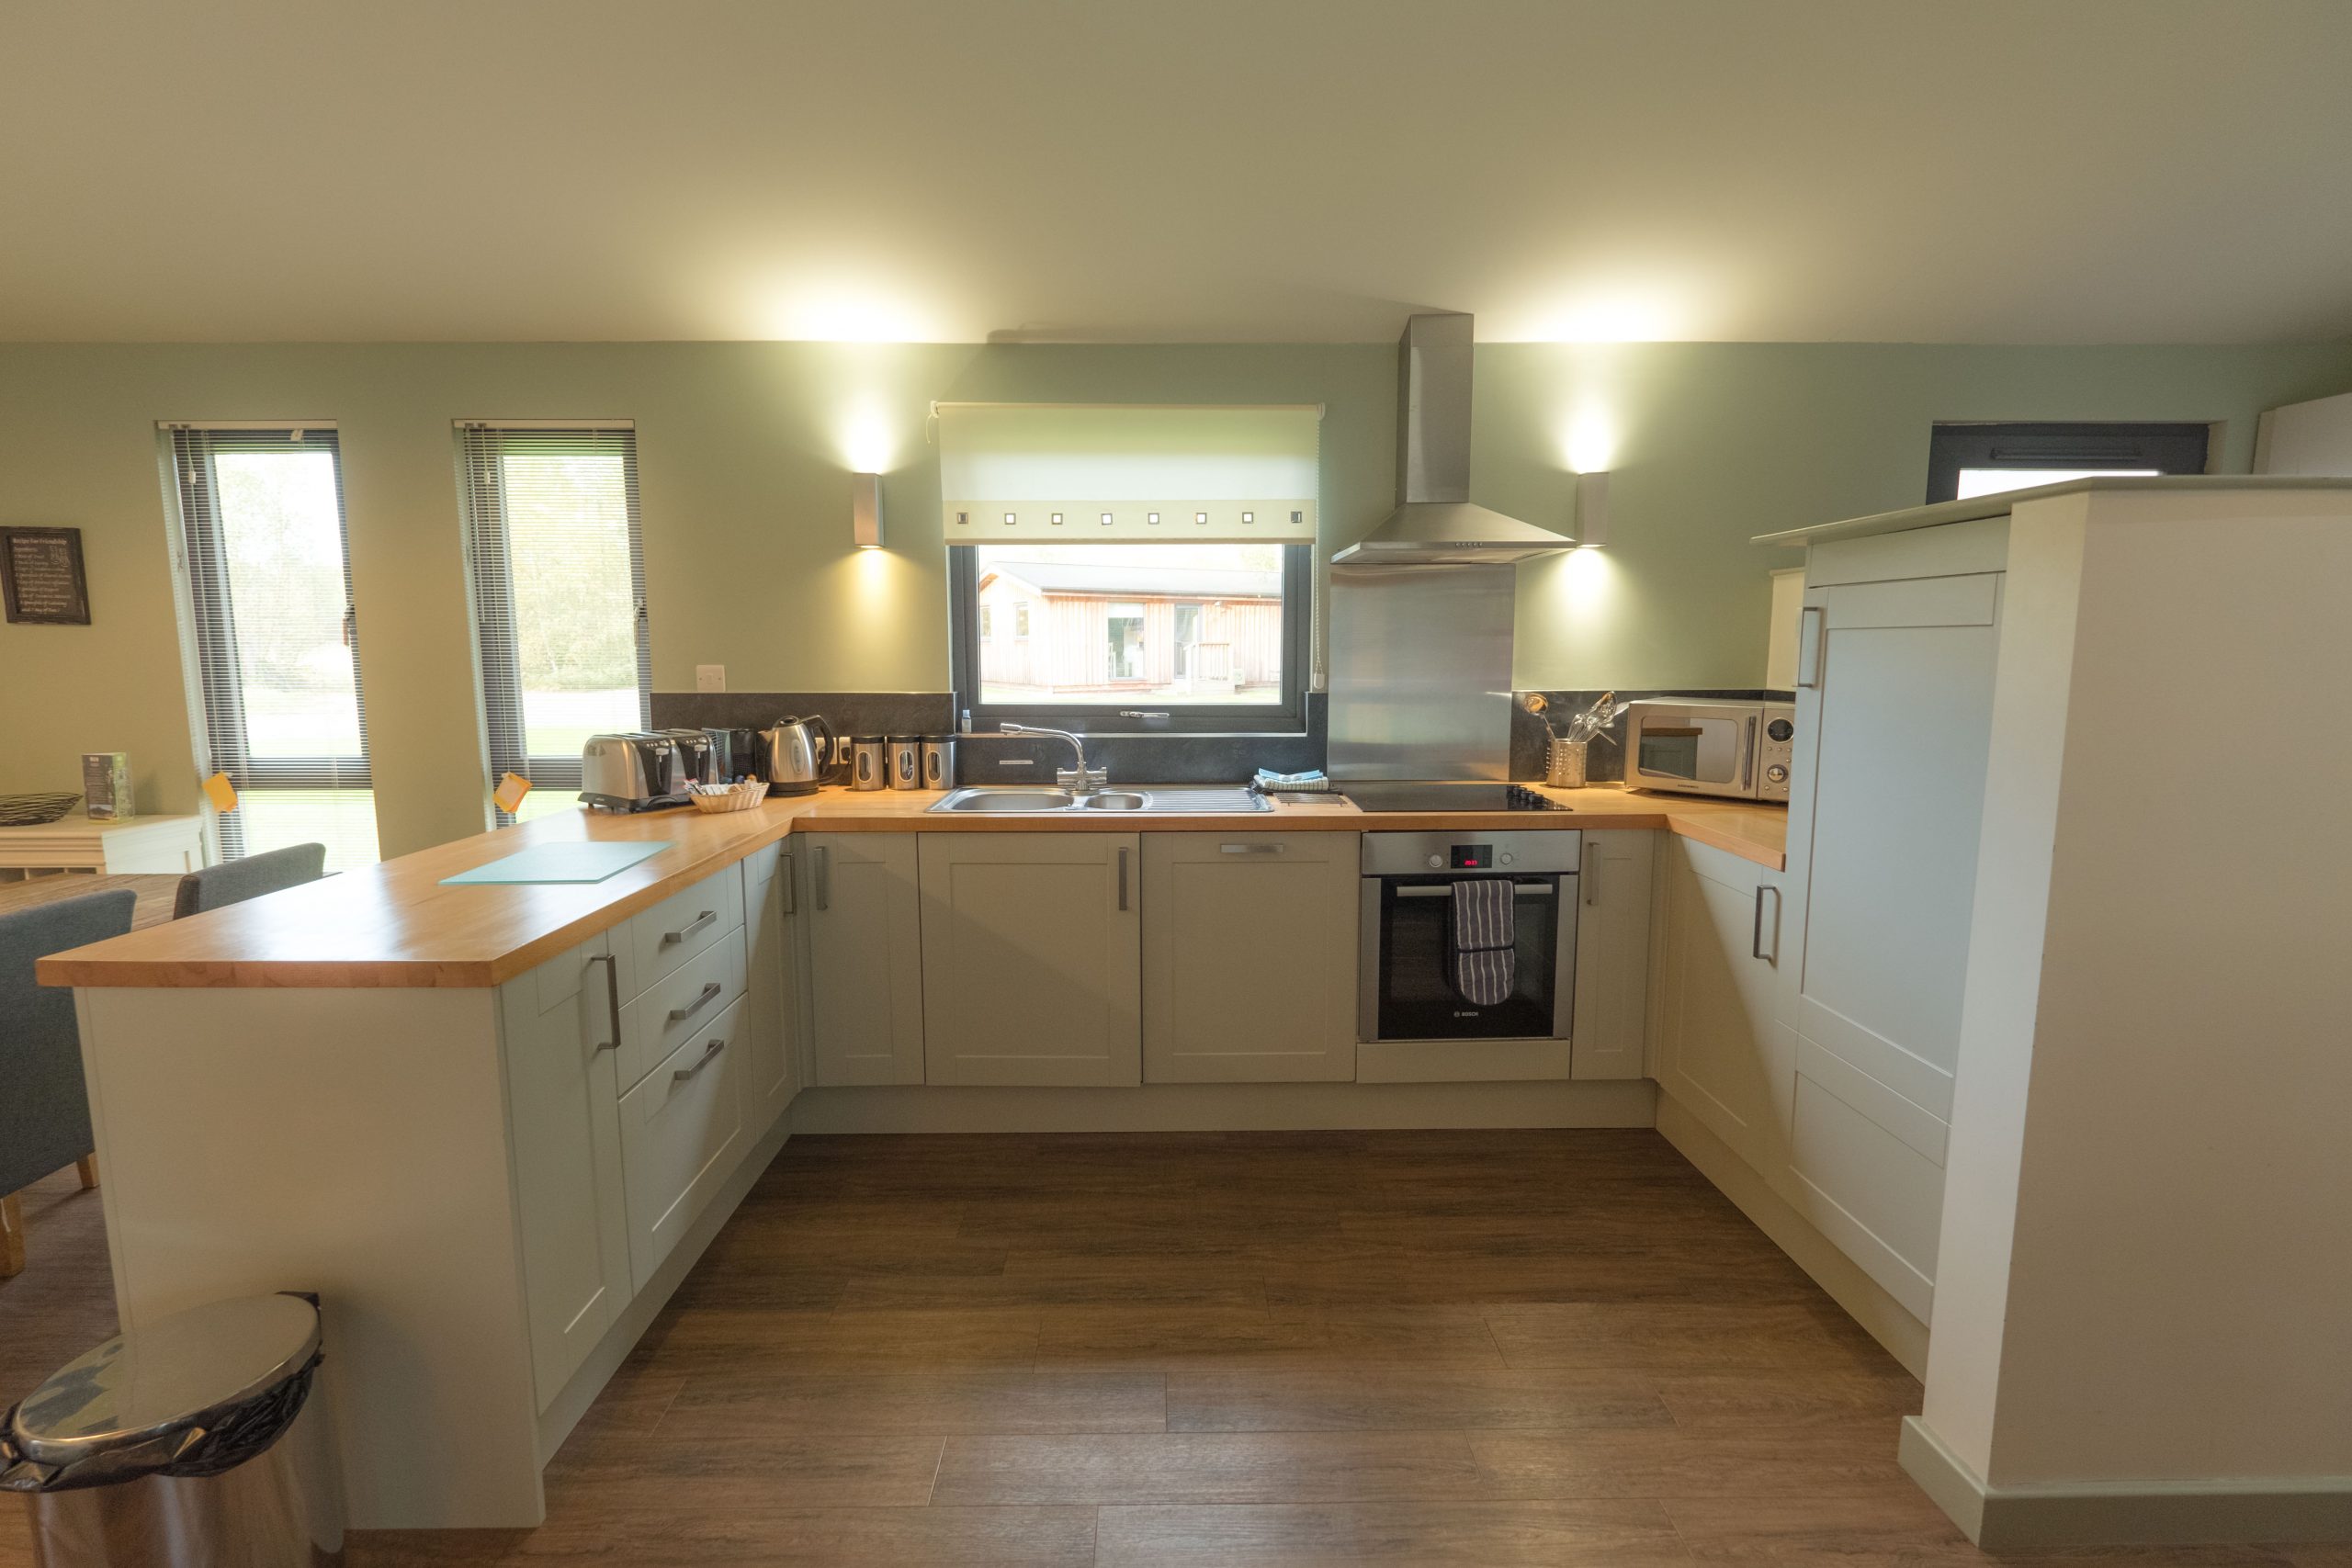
(580, 862)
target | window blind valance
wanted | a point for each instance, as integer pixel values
(1094, 473)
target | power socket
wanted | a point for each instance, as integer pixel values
(710, 677)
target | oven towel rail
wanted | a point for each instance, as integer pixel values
(1482, 940)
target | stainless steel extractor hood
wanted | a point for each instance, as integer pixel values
(1435, 522)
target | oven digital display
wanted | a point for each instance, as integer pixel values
(1473, 857)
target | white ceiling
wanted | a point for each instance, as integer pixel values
(1969, 171)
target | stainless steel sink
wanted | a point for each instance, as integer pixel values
(1033, 802)
(1007, 800)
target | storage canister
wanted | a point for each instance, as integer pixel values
(906, 761)
(868, 767)
(939, 762)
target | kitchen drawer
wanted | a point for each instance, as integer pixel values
(681, 1130)
(689, 997)
(675, 929)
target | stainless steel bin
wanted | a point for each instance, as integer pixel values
(192, 1442)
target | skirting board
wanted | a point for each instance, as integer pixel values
(1226, 1108)
(1865, 1300)
(2125, 1513)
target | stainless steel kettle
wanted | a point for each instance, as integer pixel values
(798, 753)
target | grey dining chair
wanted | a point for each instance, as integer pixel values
(44, 1107)
(233, 882)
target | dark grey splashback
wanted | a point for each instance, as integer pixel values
(987, 758)
(1605, 758)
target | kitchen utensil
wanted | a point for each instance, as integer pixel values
(1564, 763)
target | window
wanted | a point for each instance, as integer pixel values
(557, 554)
(273, 643)
(1105, 560)
(1212, 634)
(1966, 460)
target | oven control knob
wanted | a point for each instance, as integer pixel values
(1779, 729)
(1777, 774)
(1437, 863)
(1508, 858)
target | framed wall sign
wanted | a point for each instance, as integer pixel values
(42, 581)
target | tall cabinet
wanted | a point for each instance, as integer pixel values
(1896, 656)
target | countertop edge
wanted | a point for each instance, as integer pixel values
(1704, 824)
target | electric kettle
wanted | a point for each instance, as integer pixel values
(798, 752)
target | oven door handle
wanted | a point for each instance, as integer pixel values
(1519, 890)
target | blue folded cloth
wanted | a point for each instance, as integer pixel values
(1482, 942)
(1268, 783)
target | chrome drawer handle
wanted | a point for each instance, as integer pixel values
(700, 1002)
(709, 1051)
(611, 997)
(690, 928)
(1252, 849)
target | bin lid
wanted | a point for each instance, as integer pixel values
(179, 1372)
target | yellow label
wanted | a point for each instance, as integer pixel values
(510, 792)
(221, 792)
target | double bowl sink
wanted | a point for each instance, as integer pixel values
(1040, 802)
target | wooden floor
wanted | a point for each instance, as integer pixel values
(1442, 1348)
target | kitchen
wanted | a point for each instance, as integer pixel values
(1735, 1131)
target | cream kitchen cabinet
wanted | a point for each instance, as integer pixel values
(1030, 944)
(1249, 957)
(1895, 711)
(682, 1133)
(1613, 891)
(1719, 1053)
(865, 958)
(562, 1039)
(773, 989)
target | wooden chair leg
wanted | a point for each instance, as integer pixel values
(87, 1167)
(11, 1236)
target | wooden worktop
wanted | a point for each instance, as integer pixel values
(396, 925)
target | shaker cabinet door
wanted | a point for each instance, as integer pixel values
(561, 1039)
(1720, 1054)
(865, 957)
(1249, 957)
(1029, 958)
(1614, 885)
(771, 1025)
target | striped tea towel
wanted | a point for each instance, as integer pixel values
(1482, 940)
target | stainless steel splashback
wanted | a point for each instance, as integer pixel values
(1420, 672)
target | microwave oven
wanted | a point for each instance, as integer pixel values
(1694, 746)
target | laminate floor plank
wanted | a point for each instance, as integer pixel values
(1392, 1535)
(728, 1406)
(1899, 1529)
(1207, 1466)
(1399, 1398)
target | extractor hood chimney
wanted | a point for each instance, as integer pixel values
(1435, 522)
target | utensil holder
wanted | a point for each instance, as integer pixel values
(1564, 763)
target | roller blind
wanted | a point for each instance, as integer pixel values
(274, 640)
(555, 553)
(1098, 473)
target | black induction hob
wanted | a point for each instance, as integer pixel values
(1414, 795)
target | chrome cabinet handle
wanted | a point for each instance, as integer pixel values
(700, 1002)
(1810, 635)
(612, 995)
(708, 1053)
(791, 894)
(1252, 849)
(824, 877)
(1748, 756)
(1518, 890)
(689, 927)
(1123, 880)
(1756, 936)
(1140, 712)
(1592, 871)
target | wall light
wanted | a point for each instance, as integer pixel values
(865, 510)
(1593, 510)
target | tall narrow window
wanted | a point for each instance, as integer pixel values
(557, 560)
(272, 640)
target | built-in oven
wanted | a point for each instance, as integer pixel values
(1414, 983)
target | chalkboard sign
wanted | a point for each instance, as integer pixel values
(41, 576)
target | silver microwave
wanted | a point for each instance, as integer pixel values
(1693, 746)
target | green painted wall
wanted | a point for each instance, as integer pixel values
(743, 453)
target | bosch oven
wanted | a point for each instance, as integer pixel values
(1410, 977)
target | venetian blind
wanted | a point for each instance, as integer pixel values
(555, 549)
(274, 638)
(1098, 473)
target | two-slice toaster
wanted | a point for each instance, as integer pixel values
(633, 772)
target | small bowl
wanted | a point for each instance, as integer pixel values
(34, 810)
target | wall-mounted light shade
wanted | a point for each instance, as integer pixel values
(865, 510)
(1593, 510)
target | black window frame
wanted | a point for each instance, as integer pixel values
(1285, 716)
(2169, 449)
